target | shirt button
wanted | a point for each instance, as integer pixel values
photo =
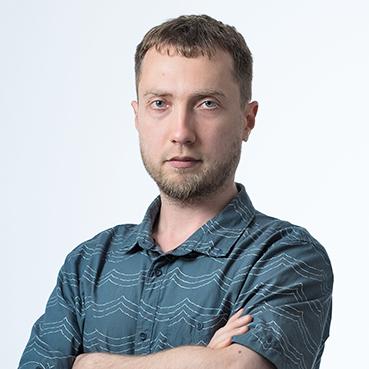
(143, 336)
(199, 326)
(158, 272)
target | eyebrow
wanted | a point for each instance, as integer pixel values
(156, 93)
(208, 92)
(200, 93)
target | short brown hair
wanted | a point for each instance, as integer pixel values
(191, 35)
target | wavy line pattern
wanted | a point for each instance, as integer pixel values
(118, 293)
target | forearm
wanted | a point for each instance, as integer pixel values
(185, 357)
(179, 358)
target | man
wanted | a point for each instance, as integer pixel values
(205, 281)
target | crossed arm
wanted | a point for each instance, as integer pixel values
(219, 353)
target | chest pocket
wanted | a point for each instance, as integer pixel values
(193, 330)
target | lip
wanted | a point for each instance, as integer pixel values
(183, 162)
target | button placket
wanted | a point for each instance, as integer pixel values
(149, 303)
(143, 336)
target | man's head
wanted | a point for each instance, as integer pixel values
(196, 35)
(192, 113)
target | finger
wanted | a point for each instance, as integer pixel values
(236, 315)
(223, 336)
(221, 344)
(236, 325)
(233, 328)
(247, 318)
(239, 322)
(224, 339)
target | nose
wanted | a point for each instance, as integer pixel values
(182, 126)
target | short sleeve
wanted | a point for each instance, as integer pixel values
(288, 292)
(56, 337)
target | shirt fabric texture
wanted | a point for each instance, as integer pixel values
(119, 293)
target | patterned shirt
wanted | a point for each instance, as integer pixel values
(119, 293)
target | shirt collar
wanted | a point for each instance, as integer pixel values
(214, 238)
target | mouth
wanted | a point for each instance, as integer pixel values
(183, 162)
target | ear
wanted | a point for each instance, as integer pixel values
(250, 112)
(134, 105)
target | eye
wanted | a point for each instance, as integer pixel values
(208, 104)
(158, 104)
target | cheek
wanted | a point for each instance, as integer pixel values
(228, 140)
(224, 136)
(149, 142)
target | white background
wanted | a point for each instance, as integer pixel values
(70, 164)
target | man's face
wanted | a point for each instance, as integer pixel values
(191, 123)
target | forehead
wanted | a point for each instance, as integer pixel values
(171, 70)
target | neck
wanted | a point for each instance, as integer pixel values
(178, 220)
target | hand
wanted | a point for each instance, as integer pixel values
(235, 326)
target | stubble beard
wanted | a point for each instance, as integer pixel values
(187, 185)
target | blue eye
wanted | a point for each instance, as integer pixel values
(159, 104)
(209, 104)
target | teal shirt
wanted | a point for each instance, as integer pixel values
(119, 293)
